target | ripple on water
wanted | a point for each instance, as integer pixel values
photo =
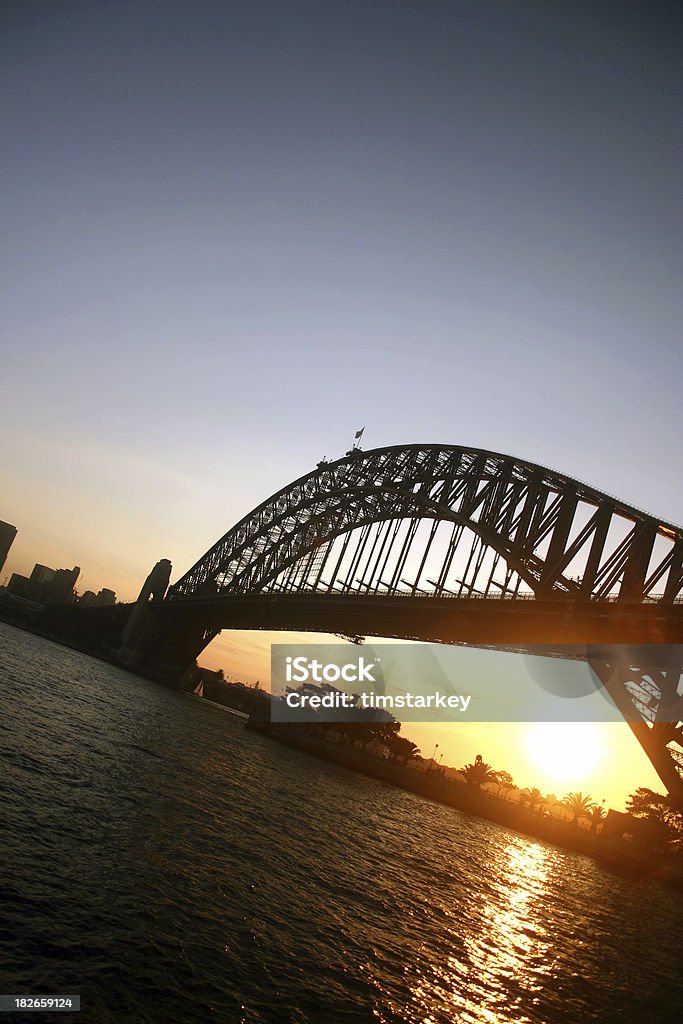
(171, 866)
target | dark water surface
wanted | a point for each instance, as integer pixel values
(171, 867)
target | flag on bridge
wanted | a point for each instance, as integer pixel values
(359, 433)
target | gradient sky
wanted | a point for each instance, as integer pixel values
(234, 233)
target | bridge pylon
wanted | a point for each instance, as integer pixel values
(140, 635)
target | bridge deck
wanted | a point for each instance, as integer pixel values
(443, 620)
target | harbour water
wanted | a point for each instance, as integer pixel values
(170, 866)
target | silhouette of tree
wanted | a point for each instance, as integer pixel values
(533, 798)
(661, 818)
(578, 804)
(596, 814)
(505, 782)
(479, 772)
(402, 749)
(645, 803)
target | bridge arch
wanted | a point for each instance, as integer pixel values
(443, 519)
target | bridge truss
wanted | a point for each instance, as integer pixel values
(435, 521)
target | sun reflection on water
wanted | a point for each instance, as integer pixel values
(499, 951)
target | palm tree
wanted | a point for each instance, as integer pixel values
(402, 749)
(596, 814)
(579, 805)
(478, 773)
(533, 798)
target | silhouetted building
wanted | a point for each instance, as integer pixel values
(7, 535)
(618, 823)
(42, 574)
(21, 586)
(106, 597)
(46, 586)
(88, 599)
(61, 588)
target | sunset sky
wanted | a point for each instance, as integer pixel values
(236, 232)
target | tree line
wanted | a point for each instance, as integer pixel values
(657, 817)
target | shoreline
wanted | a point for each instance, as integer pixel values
(615, 855)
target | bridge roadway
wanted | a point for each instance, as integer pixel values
(475, 621)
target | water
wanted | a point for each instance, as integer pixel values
(171, 867)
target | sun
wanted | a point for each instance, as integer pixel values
(564, 751)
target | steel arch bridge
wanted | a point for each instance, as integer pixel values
(462, 545)
(512, 528)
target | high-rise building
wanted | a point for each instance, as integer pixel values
(62, 585)
(21, 586)
(7, 535)
(46, 586)
(42, 574)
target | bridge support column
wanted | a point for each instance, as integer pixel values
(140, 634)
(159, 640)
(162, 638)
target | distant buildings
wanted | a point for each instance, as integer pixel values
(45, 585)
(20, 586)
(48, 586)
(91, 600)
(7, 535)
